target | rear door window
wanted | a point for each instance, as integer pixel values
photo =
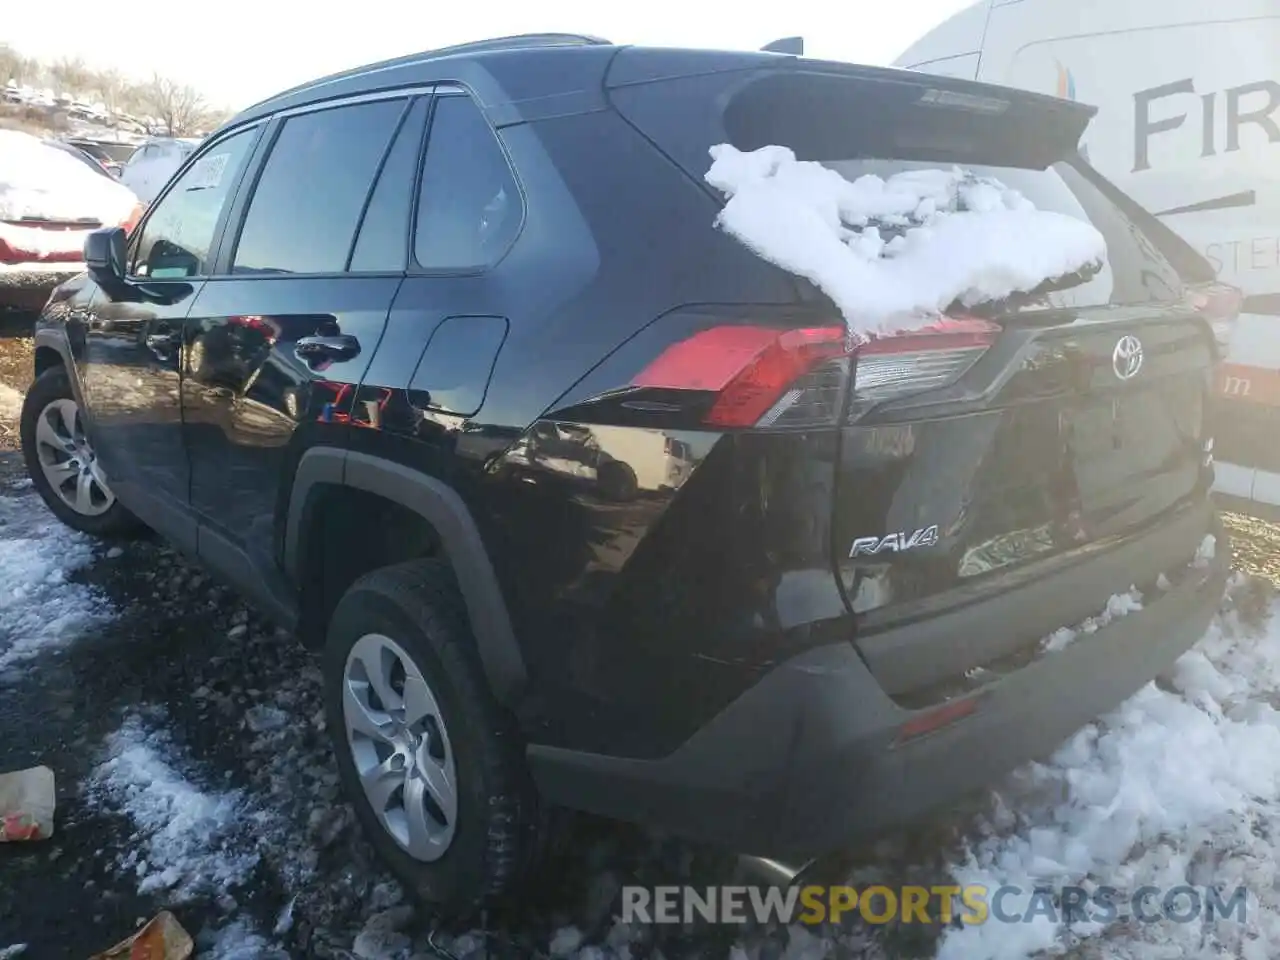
(383, 243)
(469, 207)
(313, 187)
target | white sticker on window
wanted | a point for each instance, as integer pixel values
(207, 171)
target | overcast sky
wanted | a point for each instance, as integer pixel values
(239, 51)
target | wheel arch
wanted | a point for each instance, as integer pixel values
(446, 513)
(52, 349)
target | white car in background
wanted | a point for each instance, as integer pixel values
(1188, 124)
(153, 163)
(49, 202)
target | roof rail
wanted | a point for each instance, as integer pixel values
(518, 42)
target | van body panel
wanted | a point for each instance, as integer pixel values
(1188, 124)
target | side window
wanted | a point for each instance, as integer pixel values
(384, 232)
(176, 238)
(304, 211)
(469, 207)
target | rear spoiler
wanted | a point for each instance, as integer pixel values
(827, 111)
(791, 45)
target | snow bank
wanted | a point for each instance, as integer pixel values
(957, 237)
(38, 181)
(1180, 785)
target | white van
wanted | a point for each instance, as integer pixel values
(1188, 124)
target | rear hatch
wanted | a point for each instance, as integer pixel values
(1027, 434)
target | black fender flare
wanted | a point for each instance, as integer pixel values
(53, 338)
(50, 338)
(438, 504)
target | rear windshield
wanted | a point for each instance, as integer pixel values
(830, 112)
(1137, 271)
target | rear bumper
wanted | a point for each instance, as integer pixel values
(26, 286)
(805, 761)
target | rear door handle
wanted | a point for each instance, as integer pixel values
(342, 347)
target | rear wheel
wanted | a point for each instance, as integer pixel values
(62, 463)
(429, 760)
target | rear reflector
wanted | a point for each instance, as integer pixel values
(930, 721)
(771, 377)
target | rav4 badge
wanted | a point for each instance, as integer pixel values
(895, 542)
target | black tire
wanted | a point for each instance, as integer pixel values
(618, 481)
(114, 523)
(499, 832)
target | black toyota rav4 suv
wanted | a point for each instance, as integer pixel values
(445, 364)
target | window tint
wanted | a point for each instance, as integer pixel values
(469, 206)
(304, 211)
(176, 238)
(384, 232)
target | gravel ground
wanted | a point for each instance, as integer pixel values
(194, 773)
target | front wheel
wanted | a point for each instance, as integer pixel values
(62, 463)
(427, 757)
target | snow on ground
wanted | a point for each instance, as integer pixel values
(236, 941)
(957, 237)
(1178, 786)
(187, 841)
(42, 608)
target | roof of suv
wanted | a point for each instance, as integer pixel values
(415, 68)
(507, 71)
(542, 76)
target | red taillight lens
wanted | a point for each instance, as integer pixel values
(766, 376)
(1220, 303)
(748, 368)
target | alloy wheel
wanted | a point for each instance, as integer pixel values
(400, 747)
(68, 462)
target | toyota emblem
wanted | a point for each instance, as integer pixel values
(1126, 359)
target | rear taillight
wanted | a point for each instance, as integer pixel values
(771, 377)
(920, 360)
(1220, 303)
(751, 370)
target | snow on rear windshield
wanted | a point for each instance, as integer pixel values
(893, 253)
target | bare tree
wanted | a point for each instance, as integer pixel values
(179, 107)
(14, 66)
(111, 88)
(71, 76)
